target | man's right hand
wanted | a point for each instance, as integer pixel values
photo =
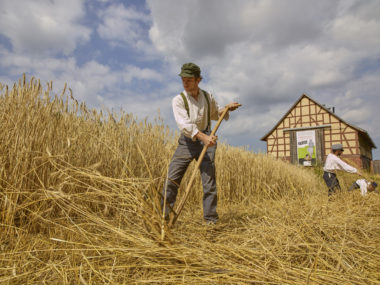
(207, 140)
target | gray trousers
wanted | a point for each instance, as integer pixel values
(354, 186)
(186, 151)
(332, 182)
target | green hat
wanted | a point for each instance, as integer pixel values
(190, 70)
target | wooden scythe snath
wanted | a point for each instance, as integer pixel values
(174, 214)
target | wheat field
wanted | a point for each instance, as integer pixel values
(80, 204)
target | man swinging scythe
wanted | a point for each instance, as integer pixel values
(193, 111)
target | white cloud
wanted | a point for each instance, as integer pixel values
(198, 28)
(94, 83)
(134, 72)
(267, 53)
(359, 105)
(359, 28)
(264, 53)
(40, 31)
(124, 26)
(43, 26)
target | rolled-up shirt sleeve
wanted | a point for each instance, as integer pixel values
(345, 166)
(182, 119)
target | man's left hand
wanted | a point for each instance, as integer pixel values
(233, 106)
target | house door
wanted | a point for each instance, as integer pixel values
(306, 146)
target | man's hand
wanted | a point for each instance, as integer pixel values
(207, 140)
(233, 106)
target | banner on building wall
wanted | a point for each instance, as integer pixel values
(306, 148)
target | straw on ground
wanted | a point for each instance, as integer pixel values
(80, 204)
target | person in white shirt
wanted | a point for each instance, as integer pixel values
(334, 163)
(193, 110)
(364, 185)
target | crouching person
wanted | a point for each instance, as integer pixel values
(364, 185)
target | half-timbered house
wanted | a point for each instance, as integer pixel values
(304, 135)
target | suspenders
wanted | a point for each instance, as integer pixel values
(208, 107)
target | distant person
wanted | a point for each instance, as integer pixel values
(364, 185)
(333, 163)
(310, 148)
(193, 111)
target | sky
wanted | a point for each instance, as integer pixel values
(262, 53)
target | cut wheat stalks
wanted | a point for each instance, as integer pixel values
(80, 205)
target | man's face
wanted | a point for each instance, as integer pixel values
(339, 152)
(190, 84)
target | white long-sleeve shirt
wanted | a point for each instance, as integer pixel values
(198, 120)
(333, 163)
(363, 186)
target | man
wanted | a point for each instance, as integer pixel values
(364, 185)
(193, 109)
(333, 163)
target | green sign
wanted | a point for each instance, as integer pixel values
(306, 148)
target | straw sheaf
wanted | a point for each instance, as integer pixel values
(80, 204)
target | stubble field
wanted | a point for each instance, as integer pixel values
(80, 204)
